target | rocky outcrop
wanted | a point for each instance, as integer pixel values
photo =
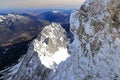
(94, 54)
(97, 26)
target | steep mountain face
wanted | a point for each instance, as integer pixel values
(94, 53)
(97, 27)
(45, 53)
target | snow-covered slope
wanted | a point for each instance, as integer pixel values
(2, 18)
(94, 53)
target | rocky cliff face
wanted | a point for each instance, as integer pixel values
(94, 54)
(97, 26)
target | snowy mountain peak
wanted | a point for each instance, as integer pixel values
(51, 45)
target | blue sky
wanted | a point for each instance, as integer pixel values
(5, 4)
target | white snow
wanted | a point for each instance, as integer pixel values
(117, 41)
(60, 55)
(61, 39)
(1, 20)
(75, 20)
(55, 11)
(89, 29)
(57, 58)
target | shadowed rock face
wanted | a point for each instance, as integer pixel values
(94, 54)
